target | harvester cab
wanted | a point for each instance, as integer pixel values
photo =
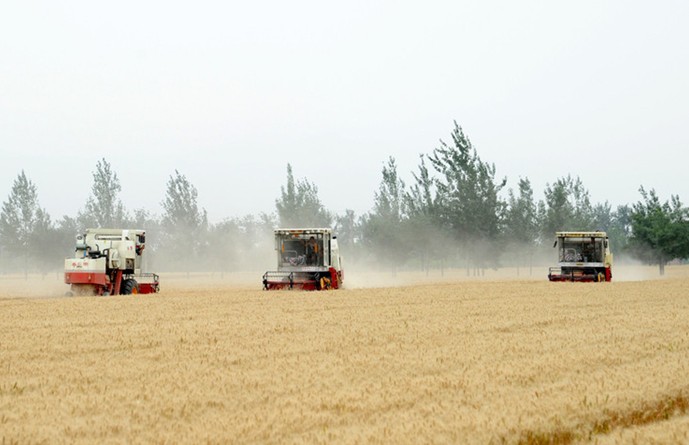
(582, 256)
(307, 259)
(109, 261)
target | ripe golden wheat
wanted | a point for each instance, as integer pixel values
(486, 360)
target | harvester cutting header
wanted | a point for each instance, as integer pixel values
(108, 262)
(307, 259)
(582, 256)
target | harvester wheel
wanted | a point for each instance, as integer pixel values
(129, 287)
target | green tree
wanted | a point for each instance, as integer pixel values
(421, 198)
(299, 204)
(144, 219)
(616, 223)
(256, 245)
(660, 231)
(242, 244)
(424, 221)
(520, 223)
(468, 198)
(104, 208)
(23, 223)
(384, 226)
(347, 230)
(63, 238)
(180, 206)
(389, 199)
(567, 206)
(225, 238)
(184, 224)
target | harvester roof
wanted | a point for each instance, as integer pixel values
(302, 231)
(581, 234)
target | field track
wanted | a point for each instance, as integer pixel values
(447, 360)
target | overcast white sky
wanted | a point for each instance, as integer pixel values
(229, 92)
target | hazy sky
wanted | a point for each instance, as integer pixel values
(229, 92)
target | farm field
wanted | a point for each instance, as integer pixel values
(451, 359)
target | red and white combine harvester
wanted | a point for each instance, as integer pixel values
(308, 259)
(108, 262)
(583, 256)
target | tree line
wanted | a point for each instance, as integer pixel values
(453, 212)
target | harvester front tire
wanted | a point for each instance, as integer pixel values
(129, 287)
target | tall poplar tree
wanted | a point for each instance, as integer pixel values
(567, 206)
(184, 223)
(299, 204)
(520, 224)
(424, 221)
(468, 197)
(23, 223)
(104, 208)
(383, 228)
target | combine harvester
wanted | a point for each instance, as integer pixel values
(583, 256)
(108, 262)
(308, 259)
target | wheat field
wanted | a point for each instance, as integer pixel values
(416, 359)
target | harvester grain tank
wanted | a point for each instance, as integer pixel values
(582, 256)
(307, 259)
(108, 262)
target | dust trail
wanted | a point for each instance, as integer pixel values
(34, 286)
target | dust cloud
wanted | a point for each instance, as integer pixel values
(443, 262)
(50, 285)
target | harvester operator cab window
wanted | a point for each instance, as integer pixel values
(313, 250)
(140, 244)
(301, 250)
(571, 255)
(588, 250)
(291, 257)
(593, 250)
(570, 250)
(292, 252)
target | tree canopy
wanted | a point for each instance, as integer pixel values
(469, 206)
(184, 223)
(469, 201)
(455, 212)
(104, 208)
(567, 206)
(24, 225)
(660, 230)
(299, 204)
(383, 229)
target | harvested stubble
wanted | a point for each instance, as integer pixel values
(477, 361)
